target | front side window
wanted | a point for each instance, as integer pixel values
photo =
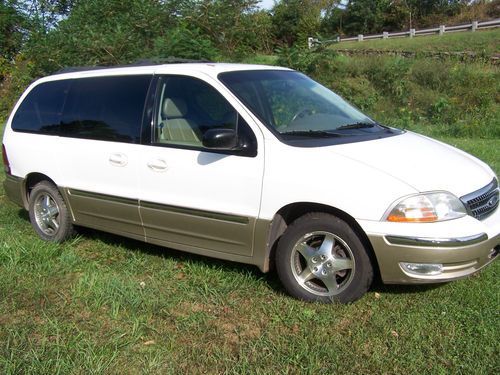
(186, 108)
(293, 105)
(40, 111)
(105, 108)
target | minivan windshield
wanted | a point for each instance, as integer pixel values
(292, 104)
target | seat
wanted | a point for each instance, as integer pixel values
(175, 128)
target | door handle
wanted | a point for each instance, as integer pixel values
(158, 165)
(118, 159)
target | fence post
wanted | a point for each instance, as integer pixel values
(474, 25)
(338, 39)
(412, 33)
(360, 37)
(385, 35)
(442, 30)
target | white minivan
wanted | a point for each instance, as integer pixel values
(254, 164)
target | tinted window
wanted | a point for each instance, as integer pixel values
(105, 108)
(40, 111)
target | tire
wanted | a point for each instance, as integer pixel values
(48, 213)
(320, 258)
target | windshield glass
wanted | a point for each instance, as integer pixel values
(293, 104)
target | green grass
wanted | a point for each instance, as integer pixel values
(102, 304)
(486, 42)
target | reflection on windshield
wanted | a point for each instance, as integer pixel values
(293, 104)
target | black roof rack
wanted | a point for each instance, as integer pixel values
(144, 62)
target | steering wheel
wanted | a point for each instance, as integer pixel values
(300, 113)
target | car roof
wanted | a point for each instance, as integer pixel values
(209, 68)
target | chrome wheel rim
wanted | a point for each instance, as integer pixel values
(46, 213)
(322, 263)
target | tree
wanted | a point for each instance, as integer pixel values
(365, 16)
(230, 24)
(101, 32)
(12, 29)
(298, 19)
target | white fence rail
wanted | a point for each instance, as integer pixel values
(441, 30)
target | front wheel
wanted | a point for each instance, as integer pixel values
(320, 258)
(48, 213)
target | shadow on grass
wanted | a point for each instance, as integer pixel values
(181, 256)
(24, 215)
(270, 278)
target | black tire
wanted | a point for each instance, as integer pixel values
(312, 270)
(48, 213)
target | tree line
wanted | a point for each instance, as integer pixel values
(40, 36)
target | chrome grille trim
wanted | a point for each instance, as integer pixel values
(483, 202)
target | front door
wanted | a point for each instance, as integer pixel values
(193, 198)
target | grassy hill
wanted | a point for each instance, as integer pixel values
(485, 42)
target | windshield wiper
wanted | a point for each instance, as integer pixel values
(357, 125)
(313, 133)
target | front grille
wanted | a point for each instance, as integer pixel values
(481, 203)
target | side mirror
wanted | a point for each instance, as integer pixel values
(220, 139)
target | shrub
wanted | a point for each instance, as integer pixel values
(185, 43)
(315, 62)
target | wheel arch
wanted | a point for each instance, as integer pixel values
(289, 213)
(29, 183)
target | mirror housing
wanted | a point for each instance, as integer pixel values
(220, 139)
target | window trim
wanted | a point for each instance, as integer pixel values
(150, 136)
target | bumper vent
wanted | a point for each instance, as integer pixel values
(483, 202)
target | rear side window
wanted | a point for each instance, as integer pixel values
(105, 108)
(40, 111)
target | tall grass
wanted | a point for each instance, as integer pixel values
(443, 97)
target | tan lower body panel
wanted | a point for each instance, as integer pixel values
(218, 235)
(200, 229)
(14, 189)
(104, 212)
(261, 245)
(457, 262)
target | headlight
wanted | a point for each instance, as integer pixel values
(427, 207)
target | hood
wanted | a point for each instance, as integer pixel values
(421, 162)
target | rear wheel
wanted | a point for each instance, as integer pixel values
(320, 258)
(48, 213)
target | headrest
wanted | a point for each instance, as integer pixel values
(174, 107)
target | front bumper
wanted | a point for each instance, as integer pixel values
(459, 247)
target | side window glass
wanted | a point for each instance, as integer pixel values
(187, 108)
(106, 108)
(40, 111)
